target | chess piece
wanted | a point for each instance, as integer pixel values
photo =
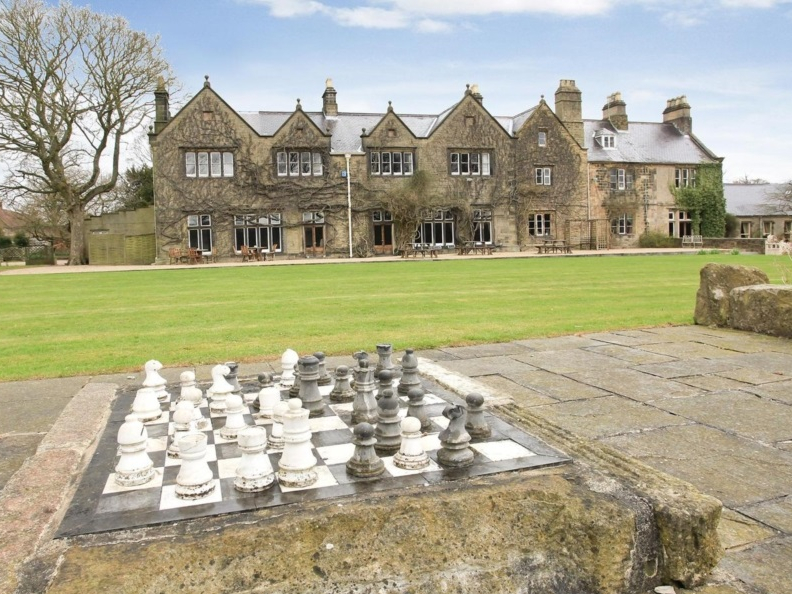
(476, 425)
(296, 467)
(294, 391)
(195, 479)
(454, 450)
(220, 389)
(265, 381)
(364, 462)
(275, 439)
(268, 397)
(388, 430)
(183, 423)
(385, 380)
(409, 378)
(309, 389)
(324, 377)
(358, 356)
(342, 391)
(385, 352)
(235, 421)
(254, 472)
(146, 406)
(232, 377)
(189, 391)
(288, 361)
(154, 380)
(134, 467)
(364, 405)
(411, 454)
(416, 409)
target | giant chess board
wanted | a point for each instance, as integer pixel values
(100, 505)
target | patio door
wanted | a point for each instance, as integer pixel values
(313, 233)
(383, 232)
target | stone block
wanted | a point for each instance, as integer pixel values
(716, 281)
(764, 308)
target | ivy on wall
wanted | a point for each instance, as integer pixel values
(705, 201)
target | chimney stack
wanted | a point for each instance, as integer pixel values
(474, 90)
(161, 106)
(615, 110)
(329, 105)
(677, 112)
(569, 108)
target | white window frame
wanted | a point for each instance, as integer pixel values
(622, 225)
(291, 163)
(685, 177)
(260, 231)
(208, 164)
(542, 138)
(482, 226)
(544, 176)
(199, 232)
(469, 164)
(541, 222)
(398, 163)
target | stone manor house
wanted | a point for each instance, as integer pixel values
(313, 183)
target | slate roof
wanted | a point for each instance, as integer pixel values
(645, 142)
(747, 199)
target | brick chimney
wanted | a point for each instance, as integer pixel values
(569, 108)
(161, 106)
(329, 105)
(677, 112)
(615, 110)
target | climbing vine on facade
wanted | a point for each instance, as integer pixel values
(705, 201)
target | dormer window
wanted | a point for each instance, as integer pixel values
(605, 138)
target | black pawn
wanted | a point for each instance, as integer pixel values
(476, 424)
(388, 430)
(342, 390)
(324, 377)
(416, 408)
(364, 463)
(409, 378)
(294, 391)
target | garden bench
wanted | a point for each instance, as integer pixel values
(692, 241)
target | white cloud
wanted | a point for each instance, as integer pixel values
(291, 8)
(481, 8)
(433, 26)
(370, 18)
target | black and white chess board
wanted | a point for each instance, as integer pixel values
(100, 505)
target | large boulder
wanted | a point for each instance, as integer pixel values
(766, 309)
(717, 280)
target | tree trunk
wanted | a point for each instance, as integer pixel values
(76, 223)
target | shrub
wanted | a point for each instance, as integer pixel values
(654, 239)
(5, 241)
(735, 252)
(20, 240)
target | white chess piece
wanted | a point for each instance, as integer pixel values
(297, 464)
(275, 439)
(288, 361)
(189, 391)
(195, 479)
(220, 388)
(411, 454)
(183, 423)
(254, 472)
(134, 467)
(155, 380)
(268, 398)
(146, 406)
(235, 422)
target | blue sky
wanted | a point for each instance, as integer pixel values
(732, 58)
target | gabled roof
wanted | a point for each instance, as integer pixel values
(749, 199)
(10, 220)
(645, 142)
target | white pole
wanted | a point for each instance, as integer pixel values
(349, 202)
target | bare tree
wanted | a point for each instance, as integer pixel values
(73, 83)
(780, 201)
(750, 181)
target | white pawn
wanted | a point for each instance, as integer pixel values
(134, 467)
(288, 361)
(189, 391)
(297, 464)
(268, 398)
(275, 439)
(195, 479)
(183, 423)
(235, 421)
(220, 389)
(146, 406)
(411, 455)
(155, 380)
(254, 472)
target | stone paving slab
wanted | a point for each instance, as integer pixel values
(712, 383)
(760, 566)
(780, 391)
(675, 369)
(756, 377)
(485, 350)
(634, 384)
(775, 363)
(14, 450)
(736, 412)
(556, 386)
(688, 350)
(521, 394)
(737, 530)
(776, 513)
(627, 337)
(610, 415)
(567, 361)
(50, 397)
(558, 343)
(488, 366)
(733, 469)
(634, 356)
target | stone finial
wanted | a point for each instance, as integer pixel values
(390, 106)
(329, 83)
(299, 106)
(206, 81)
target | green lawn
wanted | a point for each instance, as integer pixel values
(70, 324)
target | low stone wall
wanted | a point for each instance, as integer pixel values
(729, 243)
(741, 297)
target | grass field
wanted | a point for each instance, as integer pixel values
(71, 324)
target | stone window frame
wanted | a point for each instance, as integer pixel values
(685, 177)
(247, 226)
(199, 232)
(542, 138)
(203, 164)
(437, 228)
(540, 221)
(622, 224)
(543, 176)
(298, 163)
(379, 158)
(621, 179)
(470, 163)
